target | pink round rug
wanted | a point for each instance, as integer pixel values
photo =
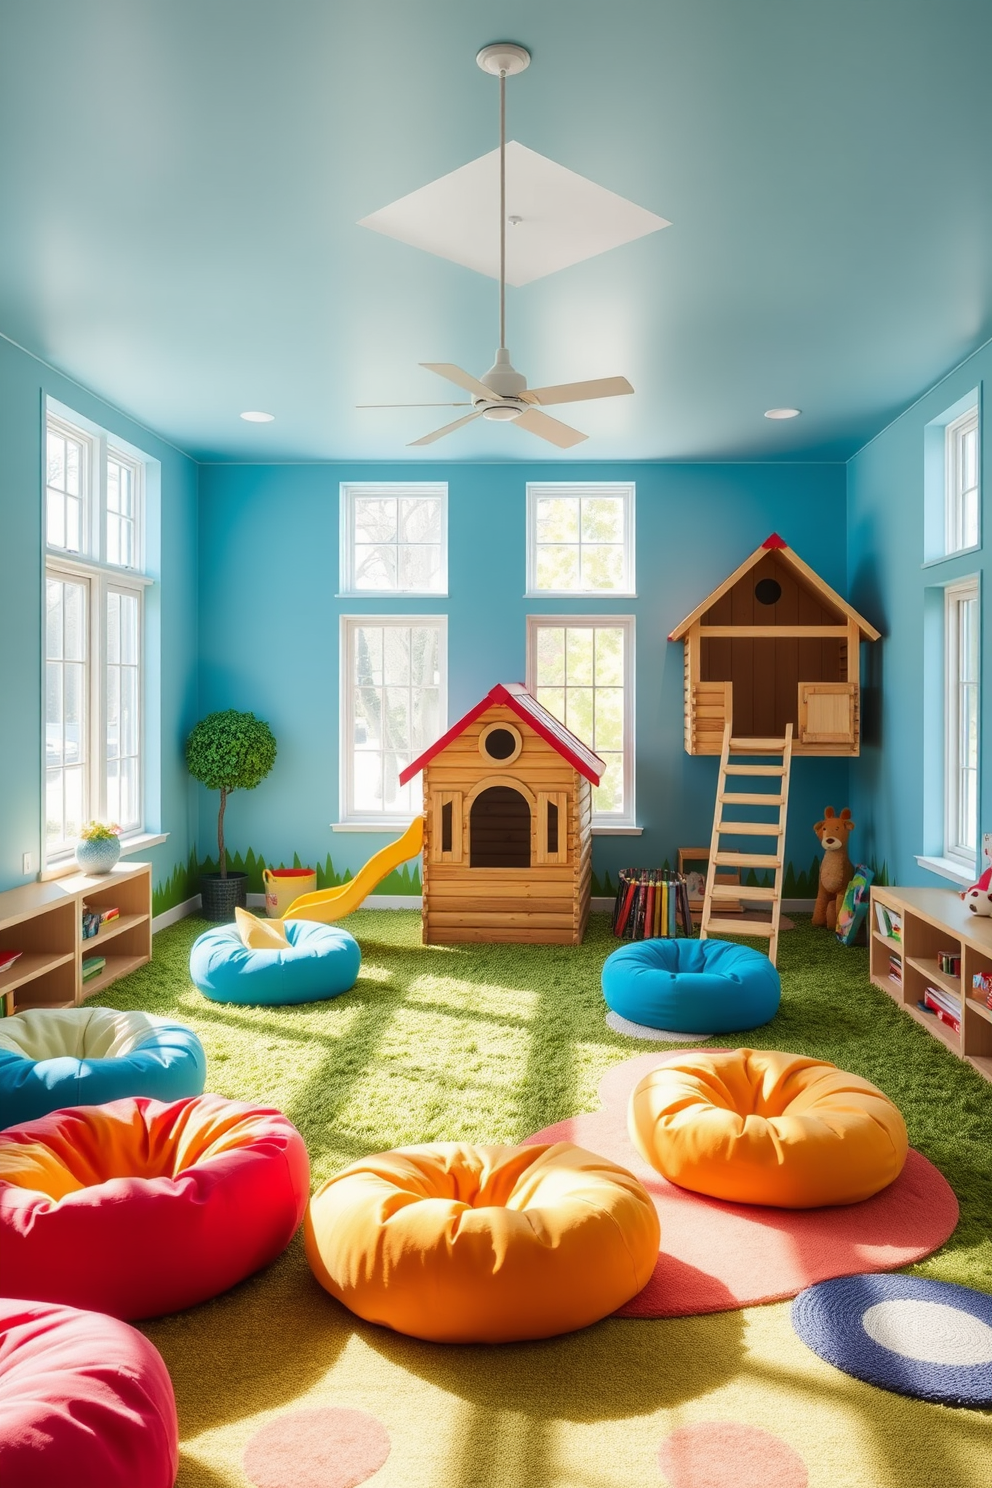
(716, 1256)
(327, 1447)
(723, 1454)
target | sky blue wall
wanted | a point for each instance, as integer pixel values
(269, 627)
(24, 383)
(896, 799)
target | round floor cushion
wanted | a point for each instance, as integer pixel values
(50, 1058)
(320, 961)
(85, 1401)
(756, 1126)
(461, 1244)
(691, 986)
(139, 1208)
(928, 1339)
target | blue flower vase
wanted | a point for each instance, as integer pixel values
(98, 857)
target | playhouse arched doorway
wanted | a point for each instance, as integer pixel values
(499, 829)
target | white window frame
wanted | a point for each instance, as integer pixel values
(386, 820)
(90, 567)
(578, 489)
(955, 595)
(954, 489)
(627, 819)
(350, 491)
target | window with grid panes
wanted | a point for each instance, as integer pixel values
(394, 704)
(394, 539)
(961, 721)
(581, 669)
(93, 636)
(580, 539)
(961, 482)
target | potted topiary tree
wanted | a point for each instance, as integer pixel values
(228, 751)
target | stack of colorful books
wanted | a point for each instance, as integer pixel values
(96, 916)
(92, 967)
(895, 969)
(651, 903)
(945, 1005)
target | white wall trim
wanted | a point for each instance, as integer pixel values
(958, 873)
(175, 914)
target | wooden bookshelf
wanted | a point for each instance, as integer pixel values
(936, 920)
(44, 921)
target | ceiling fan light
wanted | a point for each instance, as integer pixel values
(501, 413)
(782, 413)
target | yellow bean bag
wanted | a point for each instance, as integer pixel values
(759, 1127)
(460, 1244)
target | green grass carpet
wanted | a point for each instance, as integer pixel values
(491, 1043)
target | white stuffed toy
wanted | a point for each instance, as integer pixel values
(978, 899)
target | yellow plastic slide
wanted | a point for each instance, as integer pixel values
(334, 904)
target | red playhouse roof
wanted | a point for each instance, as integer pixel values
(528, 710)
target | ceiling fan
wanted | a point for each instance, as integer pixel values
(502, 393)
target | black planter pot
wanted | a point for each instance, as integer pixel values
(220, 896)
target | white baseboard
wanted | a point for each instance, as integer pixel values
(407, 901)
(176, 913)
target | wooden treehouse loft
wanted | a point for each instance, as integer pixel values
(774, 645)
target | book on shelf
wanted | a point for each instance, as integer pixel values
(92, 966)
(7, 959)
(651, 903)
(895, 969)
(942, 1004)
(889, 921)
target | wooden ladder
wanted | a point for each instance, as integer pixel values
(776, 755)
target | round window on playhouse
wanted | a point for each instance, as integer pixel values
(500, 742)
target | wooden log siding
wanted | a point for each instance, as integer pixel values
(545, 904)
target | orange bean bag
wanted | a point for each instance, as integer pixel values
(460, 1244)
(139, 1208)
(759, 1127)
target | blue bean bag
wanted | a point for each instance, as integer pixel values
(56, 1057)
(320, 961)
(691, 986)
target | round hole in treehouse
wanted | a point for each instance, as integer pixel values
(499, 829)
(768, 591)
(500, 742)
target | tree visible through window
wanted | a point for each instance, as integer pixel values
(394, 707)
(394, 539)
(581, 670)
(580, 539)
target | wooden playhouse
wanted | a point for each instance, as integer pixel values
(507, 825)
(772, 645)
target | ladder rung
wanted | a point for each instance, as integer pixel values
(755, 770)
(744, 891)
(750, 798)
(757, 746)
(739, 927)
(748, 829)
(747, 860)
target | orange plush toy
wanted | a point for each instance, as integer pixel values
(836, 869)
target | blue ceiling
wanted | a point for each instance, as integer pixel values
(180, 185)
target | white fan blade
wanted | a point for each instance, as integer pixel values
(578, 392)
(413, 405)
(548, 428)
(461, 379)
(448, 429)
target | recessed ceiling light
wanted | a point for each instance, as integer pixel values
(258, 418)
(778, 413)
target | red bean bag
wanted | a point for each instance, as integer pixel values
(84, 1401)
(137, 1208)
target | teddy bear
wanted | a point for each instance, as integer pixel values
(836, 868)
(978, 899)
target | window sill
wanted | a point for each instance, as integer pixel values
(376, 594)
(604, 829)
(949, 557)
(580, 594)
(137, 842)
(399, 825)
(950, 868)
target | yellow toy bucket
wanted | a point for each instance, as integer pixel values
(283, 885)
